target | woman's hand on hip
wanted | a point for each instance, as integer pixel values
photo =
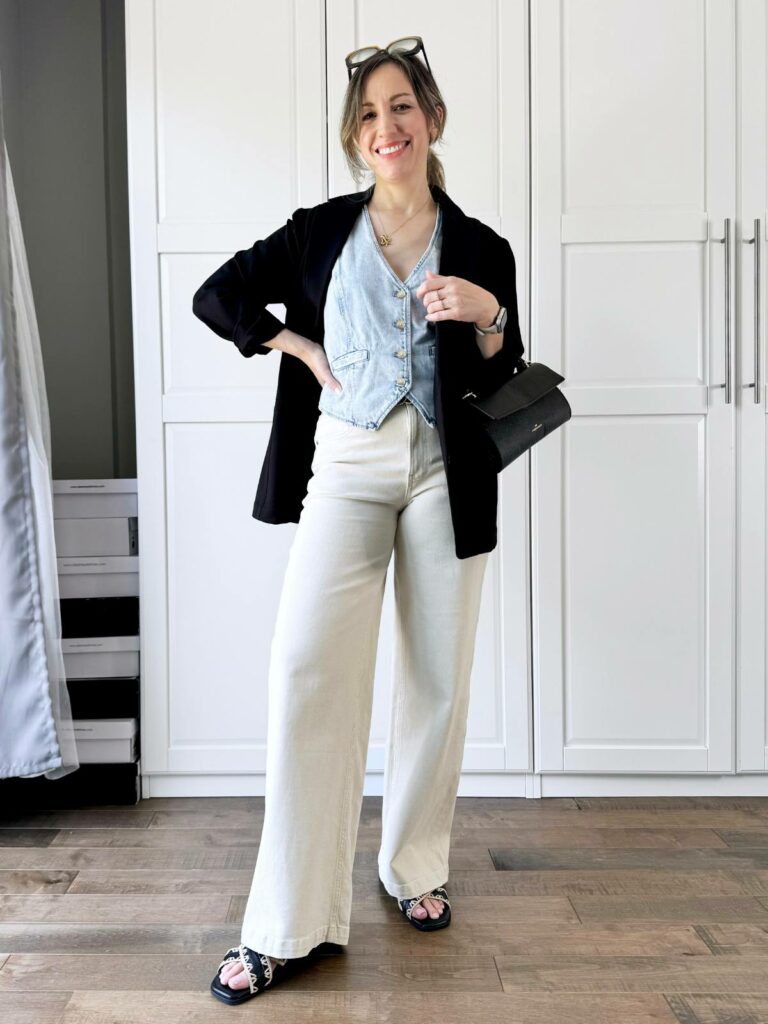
(315, 357)
(459, 299)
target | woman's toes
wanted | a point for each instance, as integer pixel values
(434, 907)
(234, 976)
(431, 908)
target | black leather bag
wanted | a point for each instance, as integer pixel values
(524, 409)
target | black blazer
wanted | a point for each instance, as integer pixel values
(292, 266)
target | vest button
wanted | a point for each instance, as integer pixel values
(401, 294)
(400, 323)
(401, 353)
(401, 380)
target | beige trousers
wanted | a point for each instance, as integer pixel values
(372, 492)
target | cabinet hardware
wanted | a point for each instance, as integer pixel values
(727, 275)
(755, 240)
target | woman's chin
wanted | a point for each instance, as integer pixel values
(392, 173)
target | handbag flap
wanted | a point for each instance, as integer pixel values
(523, 388)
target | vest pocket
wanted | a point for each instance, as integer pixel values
(351, 357)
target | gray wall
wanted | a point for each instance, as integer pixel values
(62, 64)
(10, 77)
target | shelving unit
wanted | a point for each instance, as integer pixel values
(97, 545)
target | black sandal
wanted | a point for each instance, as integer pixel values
(257, 968)
(427, 924)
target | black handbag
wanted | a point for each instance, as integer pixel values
(524, 409)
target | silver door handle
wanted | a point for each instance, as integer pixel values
(727, 240)
(755, 240)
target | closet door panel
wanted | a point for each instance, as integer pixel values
(635, 510)
(751, 394)
(202, 373)
(237, 106)
(226, 138)
(222, 571)
(632, 521)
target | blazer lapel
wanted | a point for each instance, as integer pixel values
(454, 235)
(456, 257)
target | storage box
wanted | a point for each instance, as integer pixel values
(99, 616)
(95, 499)
(100, 656)
(105, 740)
(115, 536)
(105, 698)
(91, 785)
(96, 576)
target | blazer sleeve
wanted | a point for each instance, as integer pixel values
(489, 374)
(231, 301)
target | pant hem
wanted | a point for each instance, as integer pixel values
(424, 884)
(293, 948)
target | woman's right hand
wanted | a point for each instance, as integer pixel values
(315, 357)
(309, 352)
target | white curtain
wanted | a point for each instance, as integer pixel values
(36, 731)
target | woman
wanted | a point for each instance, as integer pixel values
(371, 452)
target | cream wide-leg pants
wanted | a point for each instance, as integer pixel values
(371, 492)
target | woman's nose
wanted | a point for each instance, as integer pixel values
(388, 124)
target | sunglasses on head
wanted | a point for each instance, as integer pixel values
(410, 46)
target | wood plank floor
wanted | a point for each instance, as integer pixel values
(581, 910)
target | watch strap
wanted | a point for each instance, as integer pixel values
(494, 328)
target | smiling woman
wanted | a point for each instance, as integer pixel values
(386, 465)
(413, 113)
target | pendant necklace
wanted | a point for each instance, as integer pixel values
(385, 238)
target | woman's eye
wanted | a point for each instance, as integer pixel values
(407, 106)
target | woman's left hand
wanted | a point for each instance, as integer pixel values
(458, 300)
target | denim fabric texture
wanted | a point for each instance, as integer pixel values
(379, 344)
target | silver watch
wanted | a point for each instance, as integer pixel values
(498, 324)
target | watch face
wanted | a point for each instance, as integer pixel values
(502, 320)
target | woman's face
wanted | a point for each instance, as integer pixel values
(391, 115)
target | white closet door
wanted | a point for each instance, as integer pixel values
(226, 138)
(633, 500)
(752, 476)
(485, 155)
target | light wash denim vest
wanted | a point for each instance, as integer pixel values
(378, 342)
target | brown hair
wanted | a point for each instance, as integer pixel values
(427, 96)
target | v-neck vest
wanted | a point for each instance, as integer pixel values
(379, 345)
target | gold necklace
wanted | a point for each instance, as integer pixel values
(386, 239)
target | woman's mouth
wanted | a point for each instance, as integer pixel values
(390, 152)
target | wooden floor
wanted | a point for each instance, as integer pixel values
(578, 910)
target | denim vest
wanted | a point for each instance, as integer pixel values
(378, 342)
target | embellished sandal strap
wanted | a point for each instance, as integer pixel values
(440, 894)
(257, 967)
(229, 957)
